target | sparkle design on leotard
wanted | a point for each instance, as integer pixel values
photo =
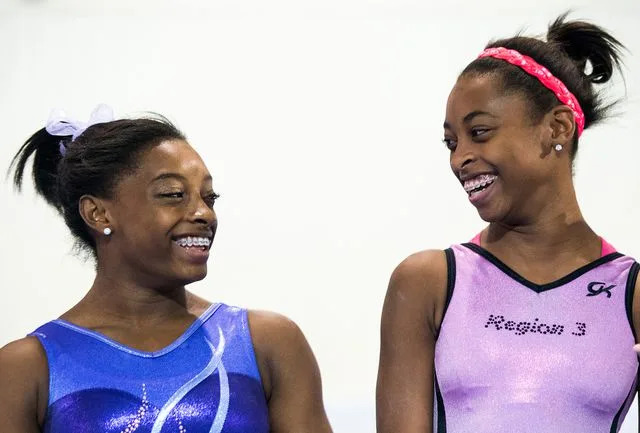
(181, 428)
(133, 425)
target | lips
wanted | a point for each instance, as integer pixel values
(476, 184)
(193, 249)
(479, 187)
(201, 242)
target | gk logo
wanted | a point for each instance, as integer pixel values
(596, 287)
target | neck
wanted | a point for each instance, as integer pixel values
(557, 227)
(129, 301)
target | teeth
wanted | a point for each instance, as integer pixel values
(189, 241)
(478, 182)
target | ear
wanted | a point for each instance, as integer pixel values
(563, 126)
(95, 213)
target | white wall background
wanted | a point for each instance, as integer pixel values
(321, 123)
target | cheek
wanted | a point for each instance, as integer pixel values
(528, 147)
(159, 225)
(148, 226)
(521, 157)
(133, 209)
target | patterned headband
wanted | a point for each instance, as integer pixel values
(547, 79)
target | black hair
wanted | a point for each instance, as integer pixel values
(64, 170)
(571, 49)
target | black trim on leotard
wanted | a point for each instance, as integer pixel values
(541, 287)
(441, 427)
(629, 292)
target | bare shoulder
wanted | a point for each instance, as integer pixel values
(420, 268)
(419, 284)
(274, 334)
(25, 354)
(23, 384)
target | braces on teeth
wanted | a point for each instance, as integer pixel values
(478, 183)
(193, 242)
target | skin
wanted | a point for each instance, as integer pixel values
(532, 213)
(138, 297)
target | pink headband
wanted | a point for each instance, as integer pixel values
(547, 79)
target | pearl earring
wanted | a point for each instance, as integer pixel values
(558, 147)
(106, 231)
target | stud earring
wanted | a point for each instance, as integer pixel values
(106, 231)
(558, 147)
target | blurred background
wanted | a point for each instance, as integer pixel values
(320, 121)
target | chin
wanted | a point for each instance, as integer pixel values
(490, 215)
(188, 276)
(201, 276)
(197, 276)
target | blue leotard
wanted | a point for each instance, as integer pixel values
(207, 381)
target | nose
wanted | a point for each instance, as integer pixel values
(202, 213)
(462, 156)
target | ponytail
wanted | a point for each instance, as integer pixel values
(47, 155)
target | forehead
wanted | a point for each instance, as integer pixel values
(482, 93)
(172, 156)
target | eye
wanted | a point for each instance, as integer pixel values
(450, 143)
(479, 132)
(176, 194)
(210, 199)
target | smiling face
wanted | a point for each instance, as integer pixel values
(498, 153)
(163, 217)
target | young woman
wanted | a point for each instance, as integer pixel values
(139, 353)
(530, 326)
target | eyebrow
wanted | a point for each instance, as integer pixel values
(175, 176)
(469, 117)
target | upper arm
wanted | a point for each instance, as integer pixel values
(410, 319)
(23, 391)
(290, 375)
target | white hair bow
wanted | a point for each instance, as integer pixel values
(60, 125)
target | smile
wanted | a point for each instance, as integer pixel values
(479, 183)
(194, 242)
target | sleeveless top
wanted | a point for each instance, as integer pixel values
(207, 381)
(515, 356)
